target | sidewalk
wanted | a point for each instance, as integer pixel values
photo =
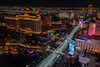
(92, 62)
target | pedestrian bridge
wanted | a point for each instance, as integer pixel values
(51, 59)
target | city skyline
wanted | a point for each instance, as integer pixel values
(47, 33)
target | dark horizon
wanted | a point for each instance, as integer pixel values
(50, 3)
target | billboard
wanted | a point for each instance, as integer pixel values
(71, 45)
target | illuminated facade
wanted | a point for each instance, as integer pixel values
(64, 14)
(97, 21)
(56, 22)
(30, 25)
(11, 21)
(46, 20)
(89, 46)
(28, 20)
(90, 9)
(94, 29)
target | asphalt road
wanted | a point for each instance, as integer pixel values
(61, 59)
(59, 62)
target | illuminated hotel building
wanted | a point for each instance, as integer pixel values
(29, 20)
(90, 9)
(11, 21)
(94, 29)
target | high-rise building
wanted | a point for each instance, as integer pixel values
(28, 20)
(11, 21)
(90, 9)
(94, 29)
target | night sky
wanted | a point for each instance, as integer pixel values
(55, 3)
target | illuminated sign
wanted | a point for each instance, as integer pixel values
(79, 40)
(52, 34)
(71, 45)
